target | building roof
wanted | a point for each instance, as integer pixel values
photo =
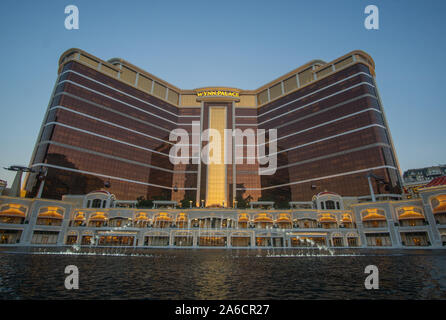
(440, 181)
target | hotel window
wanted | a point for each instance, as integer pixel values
(45, 237)
(330, 204)
(96, 203)
(275, 91)
(305, 76)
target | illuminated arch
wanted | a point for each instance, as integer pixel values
(162, 220)
(327, 217)
(181, 220)
(51, 215)
(97, 219)
(410, 212)
(373, 214)
(12, 213)
(141, 220)
(284, 221)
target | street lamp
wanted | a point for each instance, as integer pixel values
(190, 204)
(15, 188)
(378, 180)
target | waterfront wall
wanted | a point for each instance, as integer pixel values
(410, 223)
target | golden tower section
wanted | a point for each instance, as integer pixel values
(216, 170)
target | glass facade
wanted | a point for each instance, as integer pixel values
(108, 124)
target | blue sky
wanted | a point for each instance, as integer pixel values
(241, 44)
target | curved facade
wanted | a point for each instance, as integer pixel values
(108, 122)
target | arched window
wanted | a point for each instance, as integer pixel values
(96, 203)
(330, 204)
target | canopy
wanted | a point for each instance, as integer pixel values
(12, 212)
(327, 218)
(98, 216)
(373, 215)
(263, 217)
(410, 213)
(50, 214)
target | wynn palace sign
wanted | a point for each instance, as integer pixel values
(218, 93)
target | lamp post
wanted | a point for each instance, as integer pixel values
(202, 203)
(42, 175)
(190, 204)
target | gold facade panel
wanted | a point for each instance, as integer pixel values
(89, 61)
(263, 97)
(144, 83)
(324, 72)
(216, 177)
(128, 75)
(290, 84)
(189, 100)
(343, 63)
(159, 90)
(173, 97)
(305, 77)
(275, 91)
(247, 101)
(109, 71)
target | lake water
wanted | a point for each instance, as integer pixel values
(224, 274)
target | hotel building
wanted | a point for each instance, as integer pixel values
(108, 123)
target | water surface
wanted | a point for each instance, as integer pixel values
(225, 274)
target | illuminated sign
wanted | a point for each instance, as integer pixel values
(218, 93)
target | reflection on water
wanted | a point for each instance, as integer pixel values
(224, 274)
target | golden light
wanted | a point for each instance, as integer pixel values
(372, 214)
(441, 206)
(13, 211)
(51, 213)
(410, 213)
